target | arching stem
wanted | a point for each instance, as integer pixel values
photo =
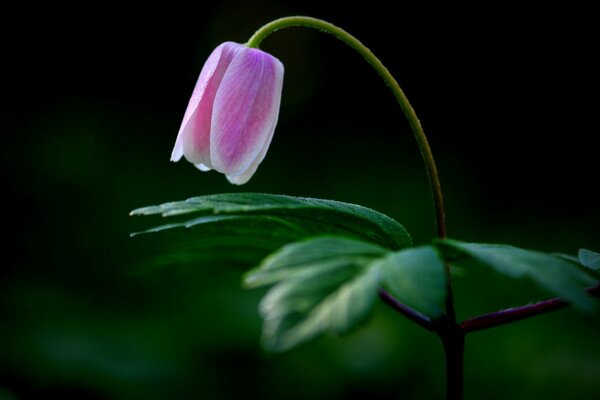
(385, 74)
(451, 336)
(409, 112)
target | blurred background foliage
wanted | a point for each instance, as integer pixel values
(92, 101)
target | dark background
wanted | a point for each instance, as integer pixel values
(92, 101)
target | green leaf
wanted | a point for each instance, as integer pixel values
(295, 217)
(323, 284)
(217, 239)
(590, 259)
(304, 256)
(553, 273)
(417, 278)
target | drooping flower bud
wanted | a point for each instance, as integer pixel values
(231, 116)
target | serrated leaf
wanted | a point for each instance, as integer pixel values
(416, 277)
(296, 311)
(308, 255)
(553, 273)
(308, 217)
(590, 259)
(325, 284)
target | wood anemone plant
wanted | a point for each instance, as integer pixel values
(330, 260)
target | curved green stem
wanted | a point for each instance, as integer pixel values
(446, 328)
(415, 124)
(409, 112)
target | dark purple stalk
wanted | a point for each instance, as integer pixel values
(509, 315)
(452, 337)
(408, 312)
(453, 340)
(453, 334)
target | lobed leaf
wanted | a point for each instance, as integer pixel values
(551, 272)
(325, 284)
(308, 255)
(329, 284)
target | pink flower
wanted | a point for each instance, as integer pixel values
(231, 117)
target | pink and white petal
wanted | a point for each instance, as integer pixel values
(193, 140)
(178, 149)
(246, 175)
(245, 111)
(206, 74)
(202, 167)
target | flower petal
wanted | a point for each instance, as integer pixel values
(245, 112)
(246, 175)
(178, 149)
(193, 140)
(202, 167)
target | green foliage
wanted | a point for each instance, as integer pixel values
(331, 258)
(554, 273)
(330, 284)
(314, 254)
(416, 277)
(294, 217)
(324, 284)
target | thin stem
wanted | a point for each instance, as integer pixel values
(509, 315)
(409, 112)
(405, 310)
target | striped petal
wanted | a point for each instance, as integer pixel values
(246, 175)
(245, 112)
(193, 140)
